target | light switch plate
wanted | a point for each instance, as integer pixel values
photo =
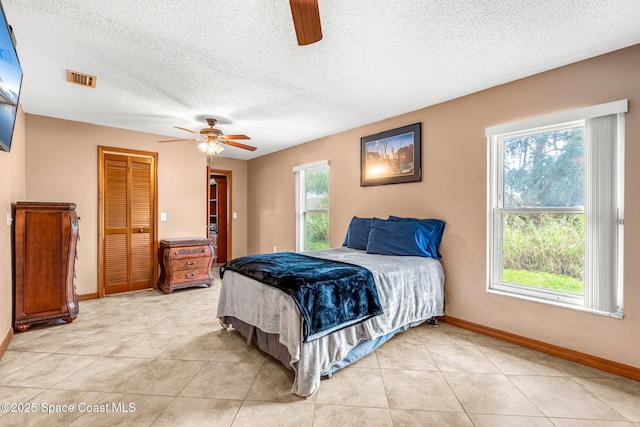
(163, 216)
(9, 220)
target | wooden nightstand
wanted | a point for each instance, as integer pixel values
(184, 262)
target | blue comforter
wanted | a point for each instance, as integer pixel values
(328, 293)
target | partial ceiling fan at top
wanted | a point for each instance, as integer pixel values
(306, 20)
(212, 139)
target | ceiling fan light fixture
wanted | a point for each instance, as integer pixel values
(210, 147)
(213, 141)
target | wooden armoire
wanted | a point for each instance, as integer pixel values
(46, 235)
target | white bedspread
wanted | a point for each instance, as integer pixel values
(410, 289)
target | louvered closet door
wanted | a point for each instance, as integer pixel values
(128, 220)
(141, 227)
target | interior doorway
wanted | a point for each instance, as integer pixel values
(127, 229)
(219, 212)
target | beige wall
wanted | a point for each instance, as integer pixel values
(454, 188)
(12, 189)
(62, 166)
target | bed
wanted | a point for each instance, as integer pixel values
(409, 287)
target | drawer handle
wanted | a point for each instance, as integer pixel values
(191, 263)
(190, 275)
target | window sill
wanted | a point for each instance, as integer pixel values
(617, 315)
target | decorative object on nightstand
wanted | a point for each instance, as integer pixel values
(184, 262)
(46, 235)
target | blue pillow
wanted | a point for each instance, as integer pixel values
(408, 238)
(435, 224)
(358, 233)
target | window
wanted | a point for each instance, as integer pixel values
(312, 206)
(555, 217)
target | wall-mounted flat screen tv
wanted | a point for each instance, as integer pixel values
(10, 82)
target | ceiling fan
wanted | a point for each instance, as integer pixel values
(212, 139)
(306, 20)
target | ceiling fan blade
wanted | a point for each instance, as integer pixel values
(186, 130)
(179, 140)
(306, 20)
(236, 137)
(239, 145)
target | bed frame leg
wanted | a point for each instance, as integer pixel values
(223, 323)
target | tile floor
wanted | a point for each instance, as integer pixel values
(149, 359)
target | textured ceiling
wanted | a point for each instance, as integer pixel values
(166, 63)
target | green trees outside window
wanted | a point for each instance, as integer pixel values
(316, 210)
(543, 210)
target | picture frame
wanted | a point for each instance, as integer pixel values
(391, 157)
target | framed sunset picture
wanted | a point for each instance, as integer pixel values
(391, 157)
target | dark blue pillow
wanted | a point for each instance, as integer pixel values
(409, 238)
(436, 225)
(358, 233)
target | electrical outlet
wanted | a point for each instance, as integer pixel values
(275, 249)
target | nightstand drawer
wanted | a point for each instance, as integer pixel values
(200, 251)
(190, 263)
(185, 276)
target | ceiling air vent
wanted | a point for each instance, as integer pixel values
(81, 79)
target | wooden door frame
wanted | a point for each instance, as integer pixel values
(228, 174)
(102, 150)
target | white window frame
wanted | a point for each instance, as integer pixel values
(301, 211)
(495, 155)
